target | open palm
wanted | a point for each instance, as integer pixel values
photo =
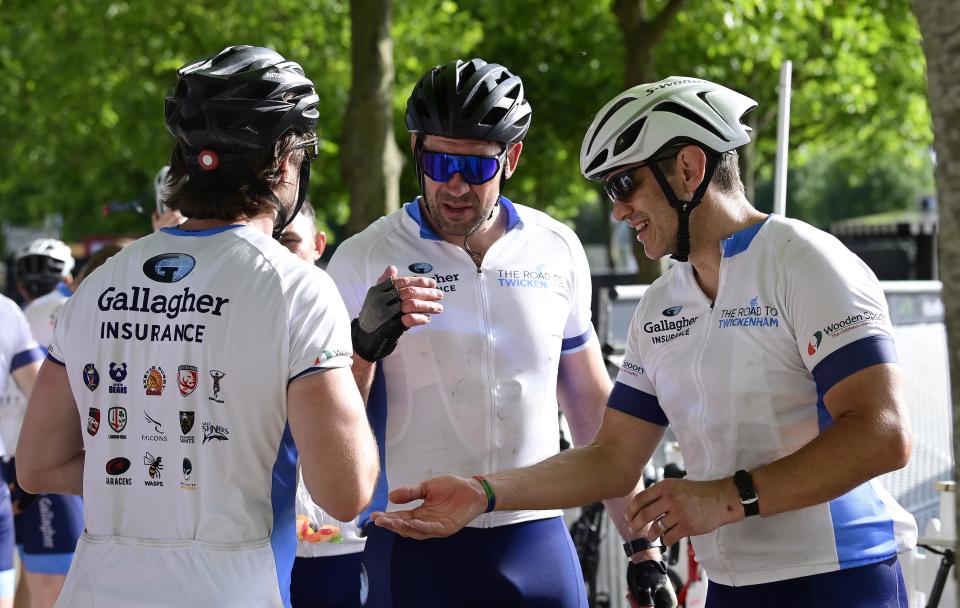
(449, 503)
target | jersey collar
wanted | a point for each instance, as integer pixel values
(208, 232)
(740, 240)
(426, 232)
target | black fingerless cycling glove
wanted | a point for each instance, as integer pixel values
(377, 328)
(649, 584)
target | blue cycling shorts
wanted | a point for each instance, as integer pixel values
(529, 564)
(326, 582)
(877, 585)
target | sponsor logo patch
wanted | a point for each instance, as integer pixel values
(91, 377)
(754, 314)
(838, 328)
(420, 267)
(169, 267)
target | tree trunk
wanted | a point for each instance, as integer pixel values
(640, 37)
(940, 26)
(370, 161)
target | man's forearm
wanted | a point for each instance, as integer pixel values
(363, 372)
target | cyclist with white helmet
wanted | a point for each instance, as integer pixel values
(163, 216)
(475, 390)
(47, 525)
(768, 351)
(189, 372)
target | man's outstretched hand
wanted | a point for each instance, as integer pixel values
(449, 504)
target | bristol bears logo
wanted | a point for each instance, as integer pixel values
(187, 379)
(93, 421)
(118, 374)
(91, 377)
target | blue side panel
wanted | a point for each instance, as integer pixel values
(862, 527)
(176, 231)
(377, 416)
(26, 358)
(576, 341)
(283, 538)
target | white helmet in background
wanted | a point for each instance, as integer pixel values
(645, 122)
(42, 264)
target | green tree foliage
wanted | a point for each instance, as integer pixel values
(81, 117)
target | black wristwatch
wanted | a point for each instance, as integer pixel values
(748, 493)
(640, 544)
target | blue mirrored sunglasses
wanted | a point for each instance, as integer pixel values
(475, 170)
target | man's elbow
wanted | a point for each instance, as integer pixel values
(899, 448)
(29, 479)
(350, 502)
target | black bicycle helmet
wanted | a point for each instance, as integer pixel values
(470, 100)
(243, 98)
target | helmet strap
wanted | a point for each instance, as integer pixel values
(685, 208)
(283, 219)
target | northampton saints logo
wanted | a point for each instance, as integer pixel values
(186, 422)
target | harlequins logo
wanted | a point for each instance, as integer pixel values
(187, 379)
(91, 377)
(93, 421)
(118, 374)
(154, 380)
(811, 347)
(117, 419)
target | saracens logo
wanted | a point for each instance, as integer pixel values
(118, 466)
(117, 419)
(154, 380)
(169, 267)
(91, 377)
(118, 374)
(93, 421)
(187, 379)
(420, 267)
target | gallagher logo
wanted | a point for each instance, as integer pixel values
(91, 377)
(420, 267)
(672, 311)
(169, 267)
(118, 466)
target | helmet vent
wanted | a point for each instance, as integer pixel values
(607, 116)
(679, 110)
(599, 160)
(629, 136)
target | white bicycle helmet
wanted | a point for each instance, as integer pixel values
(641, 122)
(42, 264)
(160, 187)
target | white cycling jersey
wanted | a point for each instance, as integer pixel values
(475, 390)
(17, 348)
(179, 351)
(741, 382)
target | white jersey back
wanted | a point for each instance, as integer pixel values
(17, 348)
(475, 390)
(741, 382)
(179, 351)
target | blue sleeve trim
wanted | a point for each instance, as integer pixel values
(576, 341)
(26, 358)
(850, 359)
(637, 403)
(53, 359)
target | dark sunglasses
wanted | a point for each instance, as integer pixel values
(475, 170)
(620, 186)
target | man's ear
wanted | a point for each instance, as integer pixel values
(320, 243)
(513, 157)
(691, 166)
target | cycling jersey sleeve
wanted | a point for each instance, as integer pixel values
(837, 310)
(633, 392)
(319, 326)
(579, 328)
(23, 349)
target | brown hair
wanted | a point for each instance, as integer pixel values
(240, 187)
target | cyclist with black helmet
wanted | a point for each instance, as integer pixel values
(476, 389)
(769, 352)
(188, 370)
